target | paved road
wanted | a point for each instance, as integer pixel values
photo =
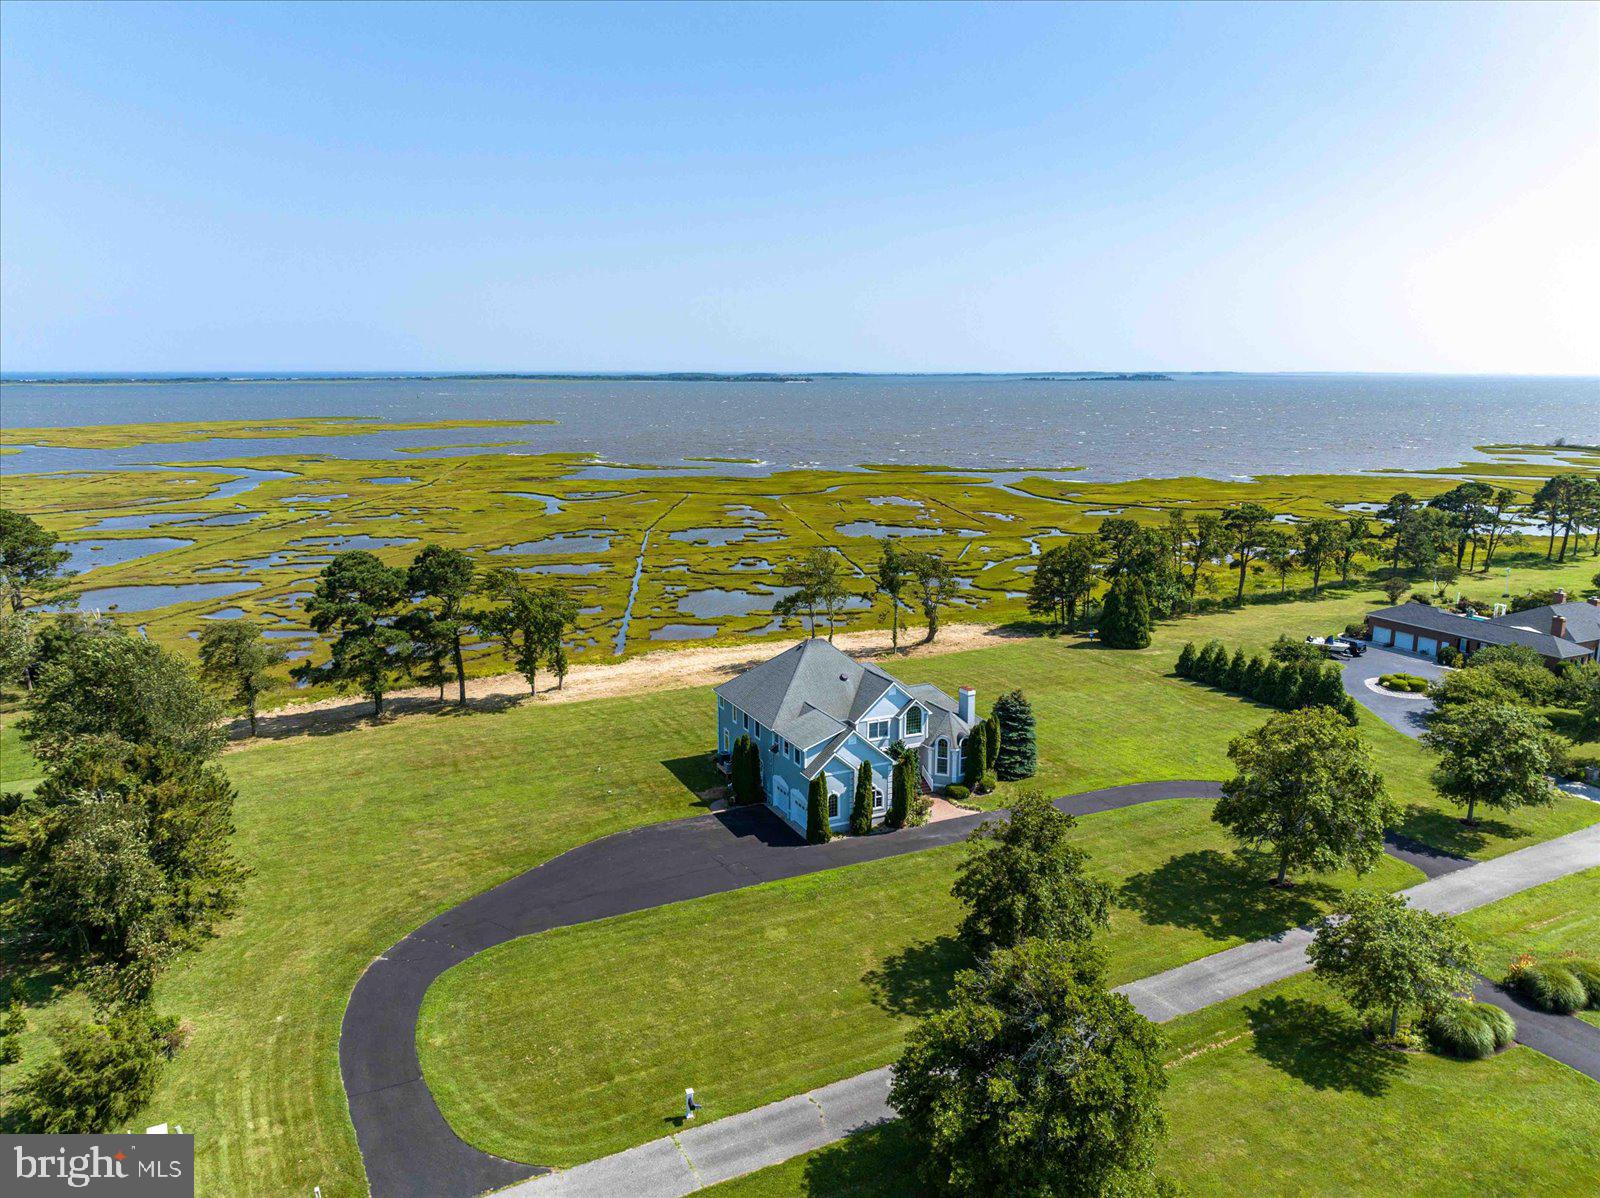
(407, 1147)
(1404, 714)
(674, 1166)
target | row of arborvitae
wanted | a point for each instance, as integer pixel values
(1288, 678)
(1561, 986)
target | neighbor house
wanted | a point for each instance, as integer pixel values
(1559, 632)
(813, 710)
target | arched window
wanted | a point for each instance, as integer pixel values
(941, 757)
(833, 805)
(913, 721)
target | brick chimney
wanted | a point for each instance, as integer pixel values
(1561, 596)
(1558, 626)
(967, 705)
(1594, 600)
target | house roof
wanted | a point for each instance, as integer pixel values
(1487, 632)
(1583, 619)
(814, 693)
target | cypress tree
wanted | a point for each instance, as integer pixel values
(1271, 684)
(1125, 615)
(1212, 664)
(1185, 667)
(817, 830)
(1018, 757)
(972, 764)
(904, 786)
(861, 812)
(991, 742)
(739, 772)
(1236, 672)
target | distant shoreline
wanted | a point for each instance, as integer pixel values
(1065, 376)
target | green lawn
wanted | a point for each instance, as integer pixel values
(1552, 920)
(1279, 1093)
(565, 1046)
(18, 769)
(357, 837)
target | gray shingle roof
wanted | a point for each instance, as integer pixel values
(1583, 619)
(813, 692)
(1487, 632)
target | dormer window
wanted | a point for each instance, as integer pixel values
(913, 721)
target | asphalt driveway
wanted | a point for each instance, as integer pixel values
(1402, 713)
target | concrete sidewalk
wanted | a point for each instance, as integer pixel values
(738, 1144)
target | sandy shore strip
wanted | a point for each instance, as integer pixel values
(664, 669)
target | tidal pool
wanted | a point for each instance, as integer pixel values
(716, 536)
(683, 632)
(552, 503)
(871, 528)
(224, 613)
(150, 597)
(591, 541)
(717, 601)
(390, 480)
(141, 520)
(86, 555)
(350, 541)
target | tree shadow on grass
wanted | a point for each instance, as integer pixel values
(1323, 1047)
(877, 1162)
(916, 980)
(697, 774)
(1223, 895)
(1444, 830)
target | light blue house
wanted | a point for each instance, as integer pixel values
(813, 710)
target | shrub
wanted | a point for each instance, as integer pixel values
(921, 808)
(1470, 1030)
(1186, 659)
(957, 793)
(1356, 630)
(100, 1075)
(1449, 655)
(988, 782)
(1211, 664)
(1409, 683)
(1234, 679)
(1550, 987)
(1586, 971)
(1288, 650)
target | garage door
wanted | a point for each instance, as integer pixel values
(1382, 635)
(1426, 644)
(1405, 640)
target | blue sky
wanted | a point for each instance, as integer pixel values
(901, 187)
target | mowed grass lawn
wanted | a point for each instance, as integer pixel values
(1278, 1092)
(357, 837)
(565, 1046)
(1557, 919)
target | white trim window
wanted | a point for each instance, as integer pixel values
(877, 799)
(833, 805)
(941, 758)
(878, 730)
(914, 720)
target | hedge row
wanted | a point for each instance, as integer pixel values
(1284, 684)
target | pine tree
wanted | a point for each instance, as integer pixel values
(1018, 757)
(817, 830)
(1271, 684)
(1186, 659)
(861, 811)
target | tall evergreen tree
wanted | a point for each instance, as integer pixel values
(817, 830)
(235, 657)
(441, 580)
(357, 597)
(1018, 756)
(904, 789)
(991, 741)
(972, 757)
(861, 808)
(1125, 614)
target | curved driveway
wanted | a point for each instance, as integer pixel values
(1403, 714)
(407, 1147)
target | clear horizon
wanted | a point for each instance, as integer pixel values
(326, 189)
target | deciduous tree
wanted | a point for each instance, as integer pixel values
(1023, 877)
(1305, 788)
(1034, 1079)
(1492, 754)
(1385, 957)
